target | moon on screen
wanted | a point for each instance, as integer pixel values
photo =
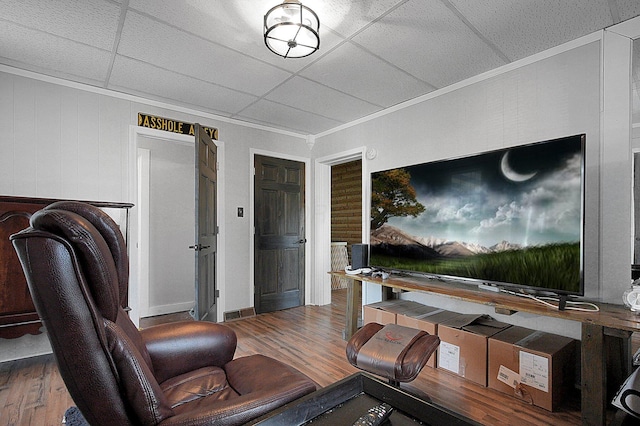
(511, 174)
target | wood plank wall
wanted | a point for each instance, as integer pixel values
(346, 203)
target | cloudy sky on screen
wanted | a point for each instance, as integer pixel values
(531, 197)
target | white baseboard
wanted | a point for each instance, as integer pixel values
(169, 309)
(24, 347)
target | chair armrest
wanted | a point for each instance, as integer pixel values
(358, 340)
(176, 348)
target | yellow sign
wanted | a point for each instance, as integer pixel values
(174, 126)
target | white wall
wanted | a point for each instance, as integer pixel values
(65, 140)
(61, 142)
(554, 97)
(559, 93)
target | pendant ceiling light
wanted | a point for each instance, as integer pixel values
(291, 30)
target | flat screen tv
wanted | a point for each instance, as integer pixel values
(508, 218)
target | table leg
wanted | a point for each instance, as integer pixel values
(594, 375)
(354, 294)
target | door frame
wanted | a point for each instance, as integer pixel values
(138, 240)
(322, 231)
(307, 220)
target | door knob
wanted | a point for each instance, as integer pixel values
(302, 241)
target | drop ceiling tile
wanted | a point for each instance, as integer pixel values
(520, 29)
(52, 55)
(143, 79)
(92, 22)
(627, 9)
(429, 41)
(348, 17)
(318, 99)
(170, 48)
(209, 19)
(237, 25)
(282, 116)
(352, 70)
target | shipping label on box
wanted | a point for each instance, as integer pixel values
(449, 357)
(534, 371)
(508, 377)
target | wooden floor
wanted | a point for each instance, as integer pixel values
(310, 339)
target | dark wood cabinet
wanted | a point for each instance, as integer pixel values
(17, 314)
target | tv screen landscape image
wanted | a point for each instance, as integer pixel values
(511, 217)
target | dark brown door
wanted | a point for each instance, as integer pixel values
(279, 234)
(206, 226)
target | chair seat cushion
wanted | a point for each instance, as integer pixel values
(204, 382)
(271, 385)
(268, 374)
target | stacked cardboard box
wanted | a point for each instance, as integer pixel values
(532, 365)
(427, 322)
(385, 312)
(464, 345)
(375, 313)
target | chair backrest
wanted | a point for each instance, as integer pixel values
(76, 265)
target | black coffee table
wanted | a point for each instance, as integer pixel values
(343, 402)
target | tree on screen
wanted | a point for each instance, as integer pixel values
(392, 196)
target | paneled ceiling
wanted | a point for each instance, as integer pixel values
(209, 55)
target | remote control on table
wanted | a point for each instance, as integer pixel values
(375, 415)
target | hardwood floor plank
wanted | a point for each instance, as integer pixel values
(309, 338)
(317, 333)
(313, 345)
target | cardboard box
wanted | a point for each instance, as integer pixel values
(385, 312)
(534, 366)
(463, 345)
(373, 313)
(427, 322)
(411, 309)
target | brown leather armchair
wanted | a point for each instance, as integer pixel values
(76, 264)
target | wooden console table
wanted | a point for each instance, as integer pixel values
(613, 322)
(17, 313)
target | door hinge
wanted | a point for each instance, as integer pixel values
(217, 294)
